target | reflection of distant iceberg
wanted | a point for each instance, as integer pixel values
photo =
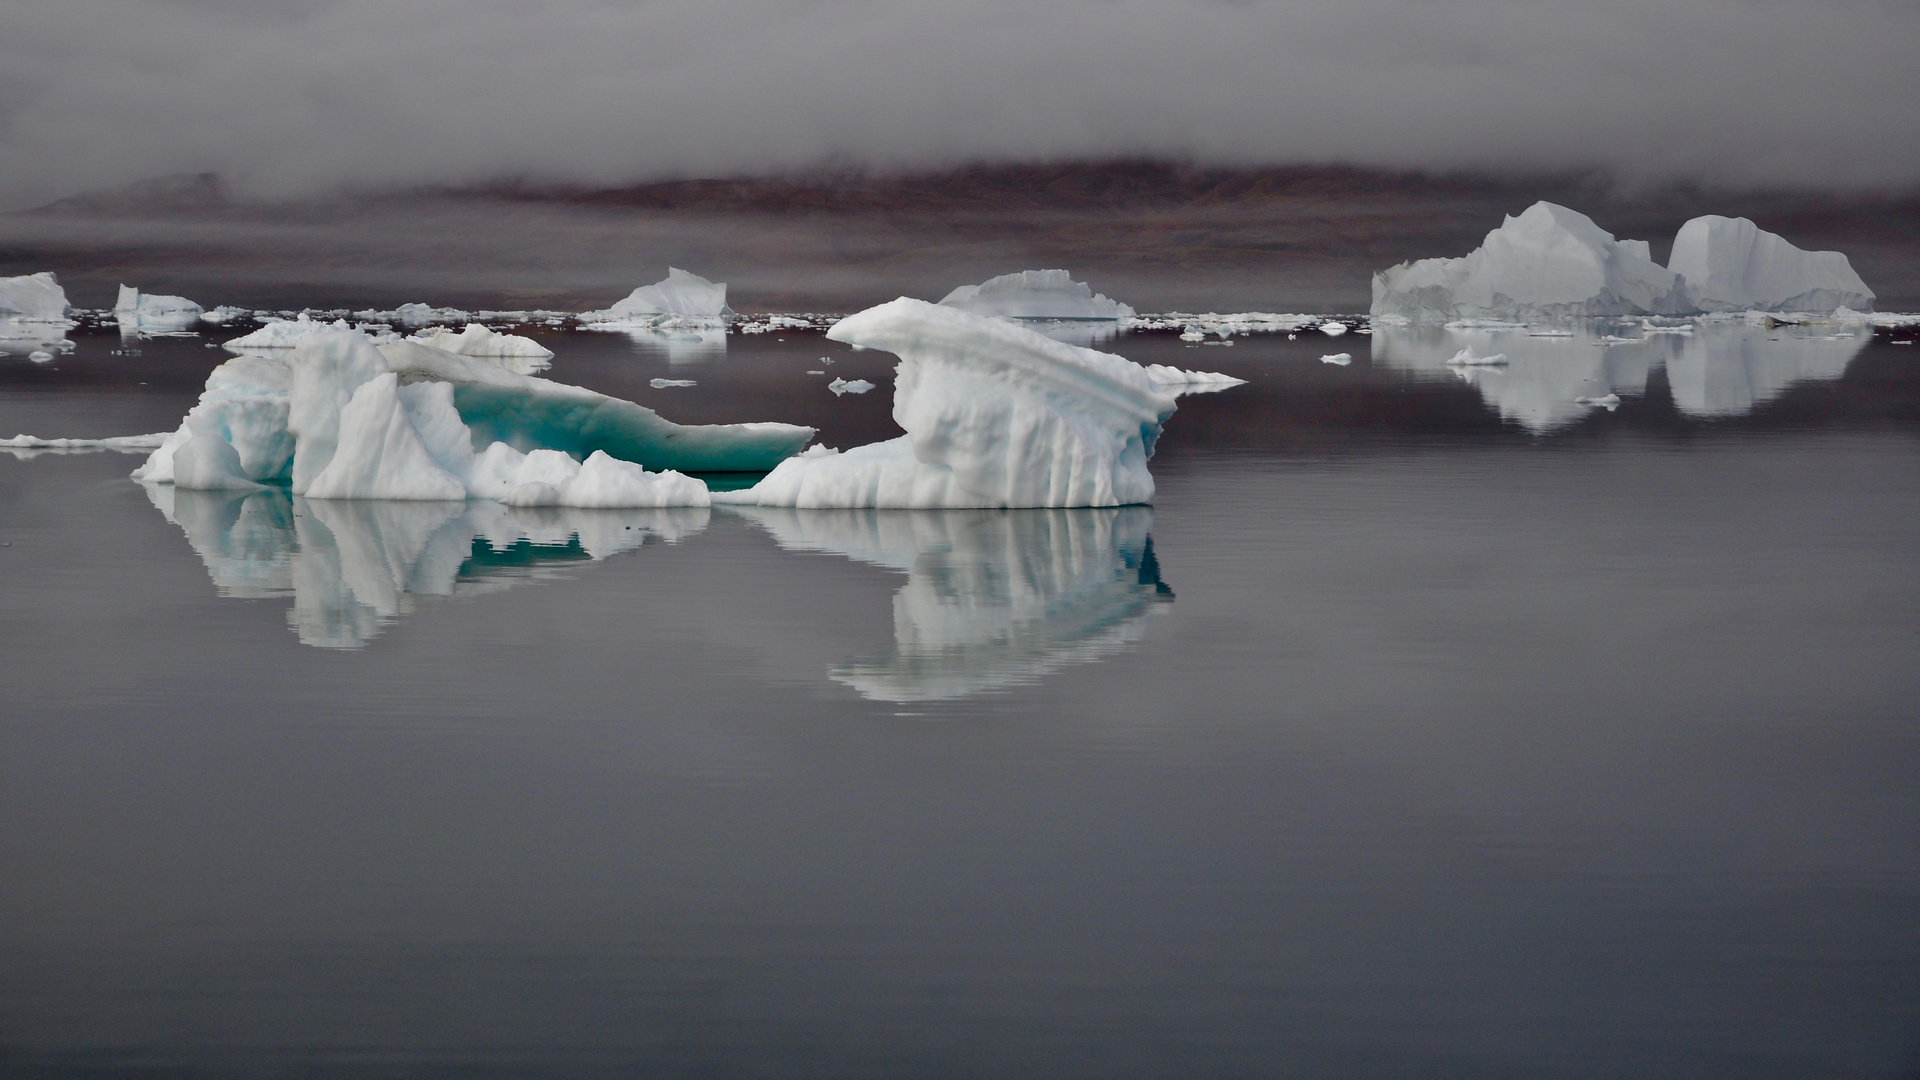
(679, 345)
(993, 598)
(1721, 368)
(1085, 333)
(352, 566)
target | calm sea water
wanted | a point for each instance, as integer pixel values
(1426, 724)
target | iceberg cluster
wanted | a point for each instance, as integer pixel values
(1035, 294)
(36, 297)
(679, 295)
(136, 310)
(995, 414)
(1554, 263)
(342, 419)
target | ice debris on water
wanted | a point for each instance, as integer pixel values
(1468, 358)
(662, 384)
(40, 356)
(1332, 328)
(849, 386)
(1342, 359)
(1035, 294)
(124, 443)
(36, 297)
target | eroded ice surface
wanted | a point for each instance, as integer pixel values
(995, 414)
(1722, 368)
(1549, 262)
(339, 418)
(351, 567)
(1035, 294)
(992, 598)
(1731, 264)
(33, 296)
(679, 295)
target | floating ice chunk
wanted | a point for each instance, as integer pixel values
(1613, 339)
(1342, 359)
(40, 356)
(511, 351)
(605, 482)
(224, 314)
(849, 386)
(1467, 358)
(678, 294)
(1035, 294)
(1609, 402)
(1550, 333)
(995, 415)
(136, 310)
(1332, 328)
(1193, 335)
(207, 462)
(285, 333)
(27, 446)
(1731, 264)
(1549, 262)
(37, 297)
(1176, 381)
(662, 384)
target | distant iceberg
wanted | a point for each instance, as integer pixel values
(1549, 262)
(37, 297)
(1731, 264)
(512, 351)
(1035, 294)
(285, 333)
(996, 415)
(678, 295)
(339, 418)
(136, 310)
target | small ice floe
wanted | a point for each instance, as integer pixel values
(1178, 381)
(776, 322)
(1333, 328)
(825, 360)
(1550, 333)
(849, 386)
(125, 443)
(1483, 324)
(1608, 402)
(1343, 359)
(1195, 334)
(1610, 339)
(1467, 358)
(810, 371)
(662, 384)
(40, 356)
(1900, 343)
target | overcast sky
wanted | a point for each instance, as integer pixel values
(294, 96)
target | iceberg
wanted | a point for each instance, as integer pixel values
(1549, 262)
(339, 418)
(136, 310)
(992, 599)
(678, 295)
(1035, 294)
(995, 414)
(37, 297)
(285, 333)
(511, 351)
(1731, 264)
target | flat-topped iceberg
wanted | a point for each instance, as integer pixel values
(1731, 264)
(996, 415)
(340, 418)
(678, 295)
(1036, 294)
(1549, 262)
(137, 310)
(33, 296)
(511, 351)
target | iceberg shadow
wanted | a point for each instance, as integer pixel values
(993, 598)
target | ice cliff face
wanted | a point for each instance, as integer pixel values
(33, 296)
(1036, 294)
(339, 418)
(1554, 263)
(1731, 264)
(1549, 262)
(996, 415)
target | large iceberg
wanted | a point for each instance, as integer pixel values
(996, 415)
(1036, 294)
(33, 296)
(678, 295)
(137, 310)
(1731, 264)
(1549, 262)
(339, 418)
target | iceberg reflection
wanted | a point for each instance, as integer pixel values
(352, 566)
(677, 344)
(993, 598)
(1716, 368)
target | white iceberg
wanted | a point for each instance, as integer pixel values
(1178, 381)
(1035, 294)
(285, 333)
(136, 310)
(36, 297)
(849, 386)
(1549, 262)
(339, 418)
(1731, 264)
(511, 351)
(679, 295)
(996, 415)
(1341, 359)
